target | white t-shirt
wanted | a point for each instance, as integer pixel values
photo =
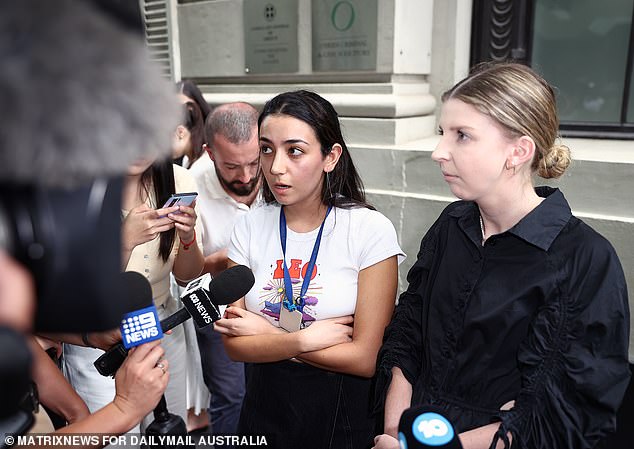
(353, 239)
(218, 211)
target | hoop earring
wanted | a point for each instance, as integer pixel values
(506, 166)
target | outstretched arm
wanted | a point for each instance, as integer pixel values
(139, 385)
(54, 390)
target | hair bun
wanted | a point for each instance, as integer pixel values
(555, 162)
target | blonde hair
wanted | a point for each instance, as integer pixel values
(523, 103)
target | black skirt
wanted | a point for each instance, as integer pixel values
(296, 405)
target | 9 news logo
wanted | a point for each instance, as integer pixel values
(140, 326)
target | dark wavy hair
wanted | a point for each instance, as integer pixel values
(195, 124)
(196, 112)
(191, 90)
(158, 182)
(344, 188)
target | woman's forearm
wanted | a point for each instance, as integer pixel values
(264, 348)
(374, 306)
(54, 390)
(125, 257)
(398, 399)
(349, 358)
(188, 264)
(216, 262)
(481, 437)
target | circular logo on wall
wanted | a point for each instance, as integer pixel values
(342, 15)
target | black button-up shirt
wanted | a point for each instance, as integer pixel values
(538, 314)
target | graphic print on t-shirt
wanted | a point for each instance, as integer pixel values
(272, 294)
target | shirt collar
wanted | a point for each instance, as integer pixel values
(543, 224)
(540, 227)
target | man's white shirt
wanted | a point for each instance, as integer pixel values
(218, 211)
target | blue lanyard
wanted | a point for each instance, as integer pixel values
(289, 302)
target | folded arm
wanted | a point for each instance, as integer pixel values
(329, 344)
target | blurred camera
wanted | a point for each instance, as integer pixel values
(70, 241)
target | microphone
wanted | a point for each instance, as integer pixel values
(426, 427)
(139, 296)
(62, 204)
(47, 125)
(136, 290)
(165, 423)
(201, 298)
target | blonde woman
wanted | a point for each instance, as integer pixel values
(515, 321)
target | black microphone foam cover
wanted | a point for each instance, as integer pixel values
(137, 295)
(231, 285)
(426, 427)
(136, 291)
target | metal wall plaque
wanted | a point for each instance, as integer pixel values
(270, 36)
(344, 34)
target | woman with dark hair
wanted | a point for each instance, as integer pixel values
(190, 135)
(190, 90)
(155, 242)
(326, 267)
(188, 139)
(343, 186)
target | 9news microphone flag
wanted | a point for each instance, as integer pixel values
(201, 299)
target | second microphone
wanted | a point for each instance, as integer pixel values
(201, 300)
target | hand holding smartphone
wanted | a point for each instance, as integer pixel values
(180, 199)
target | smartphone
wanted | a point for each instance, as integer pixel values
(180, 199)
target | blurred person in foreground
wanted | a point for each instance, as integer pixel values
(75, 88)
